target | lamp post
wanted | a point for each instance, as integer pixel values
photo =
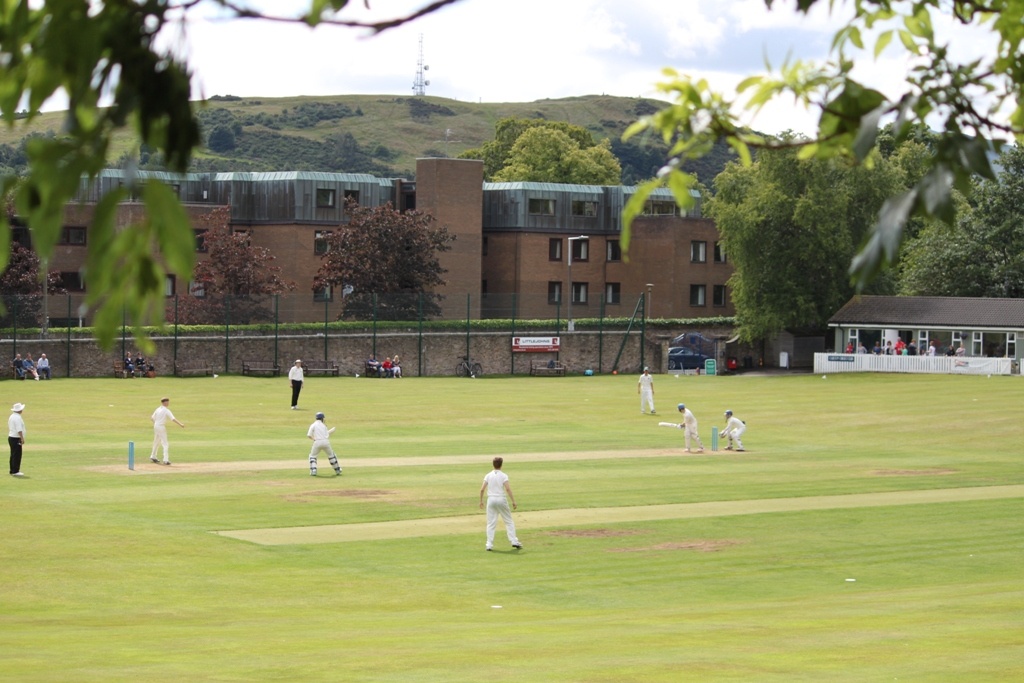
(571, 325)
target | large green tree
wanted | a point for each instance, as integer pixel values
(546, 151)
(385, 263)
(982, 253)
(546, 155)
(790, 227)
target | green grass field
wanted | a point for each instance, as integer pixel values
(111, 575)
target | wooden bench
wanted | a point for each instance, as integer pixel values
(547, 367)
(119, 372)
(192, 367)
(327, 367)
(372, 369)
(269, 366)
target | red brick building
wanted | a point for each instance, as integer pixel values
(510, 258)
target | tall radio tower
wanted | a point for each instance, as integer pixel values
(419, 86)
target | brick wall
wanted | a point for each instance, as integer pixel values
(433, 354)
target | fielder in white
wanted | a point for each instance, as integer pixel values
(734, 428)
(689, 427)
(645, 387)
(160, 417)
(496, 487)
(320, 435)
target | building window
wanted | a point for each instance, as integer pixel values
(612, 293)
(200, 236)
(719, 295)
(719, 252)
(483, 246)
(581, 208)
(74, 236)
(197, 290)
(661, 208)
(580, 250)
(483, 287)
(322, 294)
(72, 281)
(579, 292)
(542, 207)
(320, 244)
(698, 251)
(554, 292)
(352, 195)
(555, 249)
(614, 250)
(698, 295)
(169, 285)
(325, 198)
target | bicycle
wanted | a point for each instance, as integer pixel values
(468, 368)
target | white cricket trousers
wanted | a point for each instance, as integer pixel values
(646, 399)
(323, 445)
(733, 437)
(160, 439)
(691, 433)
(497, 506)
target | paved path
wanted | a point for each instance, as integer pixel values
(467, 524)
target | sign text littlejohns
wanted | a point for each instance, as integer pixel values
(535, 344)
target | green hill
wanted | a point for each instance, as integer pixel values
(378, 134)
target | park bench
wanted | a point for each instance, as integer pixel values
(327, 367)
(119, 372)
(547, 367)
(251, 366)
(192, 367)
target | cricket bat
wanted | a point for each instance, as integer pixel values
(668, 424)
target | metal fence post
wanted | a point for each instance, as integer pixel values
(67, 353)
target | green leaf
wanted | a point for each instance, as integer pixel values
(172, 227)
(867, 134)
(633, 208)
(883, 42)
(882, 246)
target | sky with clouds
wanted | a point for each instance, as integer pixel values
(522, 50)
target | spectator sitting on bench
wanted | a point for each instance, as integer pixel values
(43, 366)
(387, 368)
(396, 368)
(30, 367)
(373, 366)
(142, 368)
(551, 364)
(19, 367)
(129, 366)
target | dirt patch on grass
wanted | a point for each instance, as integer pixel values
(702, 546)
(913, 473)
(591, 533)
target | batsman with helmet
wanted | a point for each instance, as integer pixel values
(320, 435)
(689, 427)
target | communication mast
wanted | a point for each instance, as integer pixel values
(419, 86)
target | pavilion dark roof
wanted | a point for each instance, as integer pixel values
(930, 311)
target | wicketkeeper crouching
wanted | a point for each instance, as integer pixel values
(734, 428)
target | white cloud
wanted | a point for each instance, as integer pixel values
(483, 50)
